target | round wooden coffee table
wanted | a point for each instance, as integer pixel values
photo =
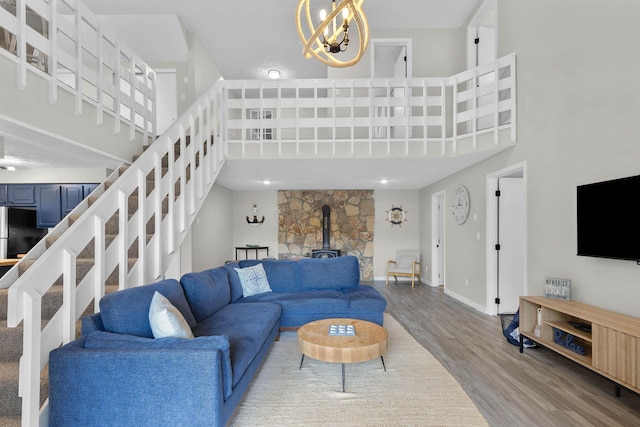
(369, 342)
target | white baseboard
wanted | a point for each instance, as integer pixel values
(466, 301)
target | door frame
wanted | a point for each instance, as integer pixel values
(491, 231)
(437, 198)
(485, 10)
(399, 42)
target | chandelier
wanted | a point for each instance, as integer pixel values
(331, 36)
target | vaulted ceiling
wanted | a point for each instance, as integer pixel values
(244, 39)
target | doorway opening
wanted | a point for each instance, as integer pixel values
(437, 239)
(506, 259)
(390, 58)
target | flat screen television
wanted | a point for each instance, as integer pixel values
(608, 222)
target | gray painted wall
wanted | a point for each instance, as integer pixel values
(578, 106)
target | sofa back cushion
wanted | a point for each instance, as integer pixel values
(127, 311)
(328, 273)
(234, 281)
(281, 274)
(206, 291)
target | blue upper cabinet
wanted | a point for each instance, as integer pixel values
(48, 212)
(21, 195)
(51, 201)
(72, 195)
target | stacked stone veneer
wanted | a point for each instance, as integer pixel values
(352, 223)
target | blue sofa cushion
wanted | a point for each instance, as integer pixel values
(106, 340)
(328, 273)
(127, 311)
(206, 291)
(309, 302)
(234, 281)
(282, 274)
(365, 299)
(247, 326)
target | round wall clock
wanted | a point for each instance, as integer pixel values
(396, 215)
(460, 206)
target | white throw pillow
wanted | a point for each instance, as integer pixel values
(253, 280)
(166, 320)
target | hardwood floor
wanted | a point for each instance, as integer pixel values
(536, 388)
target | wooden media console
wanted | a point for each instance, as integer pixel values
(604, 341)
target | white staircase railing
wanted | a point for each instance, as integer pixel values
(63, 42)
(182, 165)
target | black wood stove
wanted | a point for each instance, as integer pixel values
(326, 251)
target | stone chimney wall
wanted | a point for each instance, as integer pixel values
(352, 224)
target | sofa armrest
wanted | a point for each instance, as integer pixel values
(92, 323)
(140, 386)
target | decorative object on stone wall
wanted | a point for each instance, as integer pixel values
(255, 222)
(352, 219)
(396, 215)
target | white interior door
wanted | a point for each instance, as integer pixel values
(441, 241)
(438, 239)
(512, 235)
(399, 72)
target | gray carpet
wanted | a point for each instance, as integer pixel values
(415, 390)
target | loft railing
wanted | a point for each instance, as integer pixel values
(63, 42)
(162, 191)
(369, 117)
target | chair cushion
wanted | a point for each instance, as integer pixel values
(405, 262)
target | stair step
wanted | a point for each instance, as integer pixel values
(51, 301)
(82, 268)
(112, 226)
(89, 252)
(11, 403)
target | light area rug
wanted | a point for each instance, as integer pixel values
(416, 390)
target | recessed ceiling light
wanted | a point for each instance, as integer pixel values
(11, 168)
(383, 181)
(273, 74)
(266, 182)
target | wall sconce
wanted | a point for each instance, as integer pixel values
(255, 222)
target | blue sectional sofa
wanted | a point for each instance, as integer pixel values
(119, 374)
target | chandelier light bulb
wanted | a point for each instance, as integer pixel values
(331, 38)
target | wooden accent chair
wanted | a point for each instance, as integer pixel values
(406, 264)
